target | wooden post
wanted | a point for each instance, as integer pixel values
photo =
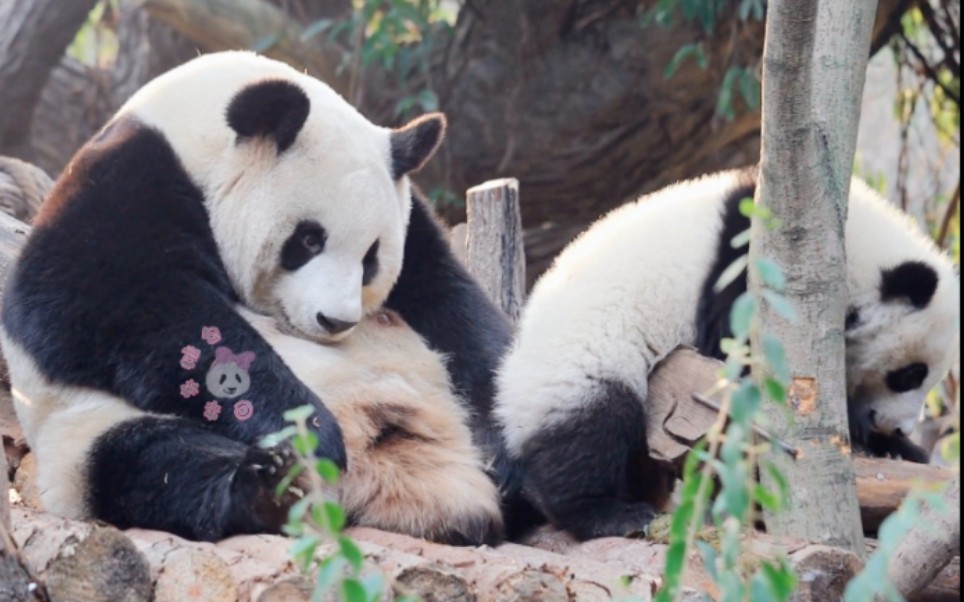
(495, 253)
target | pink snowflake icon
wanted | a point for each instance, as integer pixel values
(243, 410)
(190, 388)
(212, 410)
(189, 357)
(211, 335)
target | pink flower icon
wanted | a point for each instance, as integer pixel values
(211, 335)
(190, 388)
(243, 410)
(189, 357)
(212, 410)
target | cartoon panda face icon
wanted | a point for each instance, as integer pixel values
(228, 376)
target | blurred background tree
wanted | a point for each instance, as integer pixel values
(588, 102)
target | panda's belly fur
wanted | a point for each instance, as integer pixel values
(412, 467)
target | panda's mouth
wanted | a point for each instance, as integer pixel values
(286, 326)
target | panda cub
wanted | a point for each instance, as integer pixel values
(639, 282)
(236, 242)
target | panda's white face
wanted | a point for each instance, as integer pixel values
(903, 325)
(308, 201)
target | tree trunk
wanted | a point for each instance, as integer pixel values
(814, 64)
(33, 37)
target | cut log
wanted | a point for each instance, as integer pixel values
(494, 253)
(882, 484)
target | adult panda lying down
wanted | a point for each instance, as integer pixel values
(173, 297)
(639, 282)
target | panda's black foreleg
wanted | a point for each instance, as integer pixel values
(173, 475)
(590, 472)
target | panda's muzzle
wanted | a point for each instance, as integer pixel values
(332, 325)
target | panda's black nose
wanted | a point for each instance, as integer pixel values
(332, 325)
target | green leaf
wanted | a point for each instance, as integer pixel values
(766, 498)
(351, 552)
(282, 487)
(429, 100)
(299, 414)
(781, 579)
(783, 486)
(691, 50)
(353, 591)
(771, 274)
(319, 26)
(303, 550)
(331, 515)
(305, 443)
(750, 89)
(374, 584)
(741, 315)
(329, 571)
(776, 357)
(732, 272)
(328, 470)
(724, 102)
(775, 390)
(745, 402)
(297, 511)
(741, 240)
(277, 438)
(781, 305)
(265, 43)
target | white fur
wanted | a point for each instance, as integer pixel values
(338, 173)
(624, 294)
(384, 374)
(60, 423)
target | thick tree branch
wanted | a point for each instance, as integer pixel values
(33, 36)
(925, 551)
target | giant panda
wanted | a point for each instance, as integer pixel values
(640, 282)
(238, 241)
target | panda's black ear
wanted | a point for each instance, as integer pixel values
(273, 109)
(912, 280)
(415, 143)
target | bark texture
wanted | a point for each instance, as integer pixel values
(814, 64)
(33, 36)
(925, 551)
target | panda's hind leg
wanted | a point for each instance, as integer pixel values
(173, 475)
(590, 472)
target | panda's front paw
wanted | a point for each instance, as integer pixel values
(331, 444)
(256, 506)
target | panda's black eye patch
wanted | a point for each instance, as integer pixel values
(907, 378)
(223, 378)
(306, 242)
(853, 319)
(370, 264)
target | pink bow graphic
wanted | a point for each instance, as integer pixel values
(224, 355)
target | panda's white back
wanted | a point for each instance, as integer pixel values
(609, 305)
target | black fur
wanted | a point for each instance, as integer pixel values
(591, 474)
(304, 244)
(415, 143)
(182, 478)
(438, 298)
(912, 280)
(713, 308)
(908, 378)
(273, 109)
(370, 264)
(120, 273)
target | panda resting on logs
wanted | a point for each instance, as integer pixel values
(640, 282)
(236, 242)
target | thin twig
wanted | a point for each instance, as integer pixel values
(949, 217)
(706, 401)
(929, 71)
